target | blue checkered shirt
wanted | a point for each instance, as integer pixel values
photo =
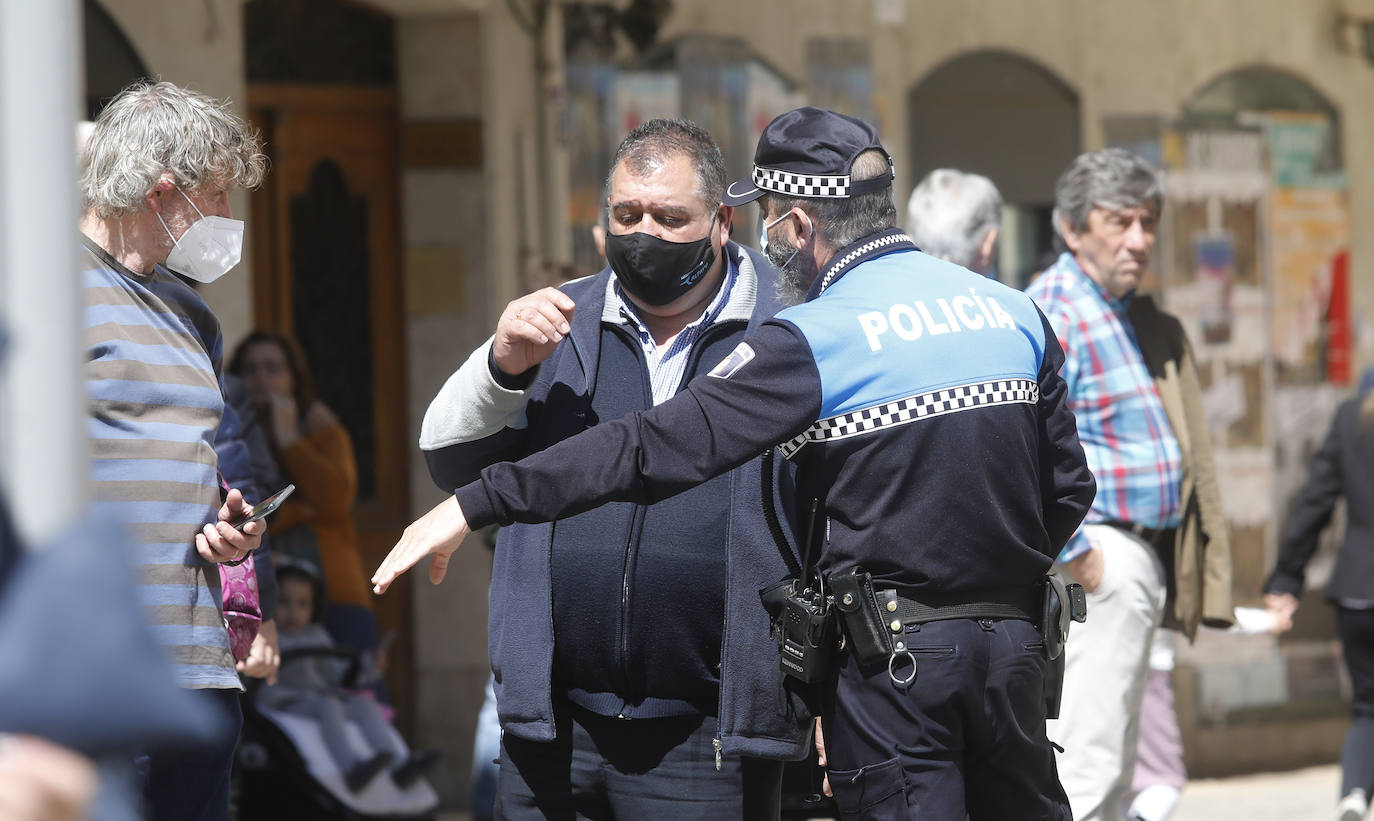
(1126, 435)
(668, 362)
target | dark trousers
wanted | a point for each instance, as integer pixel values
(630, 769)
(193, 785)
(1356, 629)
(965, 739)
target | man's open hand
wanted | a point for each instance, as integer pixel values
(437, 533)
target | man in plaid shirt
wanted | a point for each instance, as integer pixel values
(1145, 440)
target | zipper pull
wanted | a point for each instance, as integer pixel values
(715, 742)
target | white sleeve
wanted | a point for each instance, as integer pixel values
(471, 405)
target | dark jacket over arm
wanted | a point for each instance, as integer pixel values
(1343, 466)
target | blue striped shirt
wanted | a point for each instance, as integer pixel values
(668, 362)
(153, 352)
(1125, 432)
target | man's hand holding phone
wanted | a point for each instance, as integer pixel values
(221, 541)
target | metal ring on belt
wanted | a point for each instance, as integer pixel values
(891, 673)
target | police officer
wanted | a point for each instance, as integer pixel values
(922, 405)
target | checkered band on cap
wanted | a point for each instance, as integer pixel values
(801, 185)
(911, 408)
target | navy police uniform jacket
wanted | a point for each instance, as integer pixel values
(655, 609)
(921, 402)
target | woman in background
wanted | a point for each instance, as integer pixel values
(1344, 466)
(315, 453)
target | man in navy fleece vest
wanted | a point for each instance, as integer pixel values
(620, 689)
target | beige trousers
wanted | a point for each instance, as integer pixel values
(1106, 664)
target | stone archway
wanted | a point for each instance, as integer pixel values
(1010, 119)
(1229, 98)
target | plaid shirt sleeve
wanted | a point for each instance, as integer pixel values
(1064, 319)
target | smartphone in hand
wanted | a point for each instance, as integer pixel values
(263, 509)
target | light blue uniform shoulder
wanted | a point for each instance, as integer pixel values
(907, 323)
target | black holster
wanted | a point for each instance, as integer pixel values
(1064, 604)
(870, 639)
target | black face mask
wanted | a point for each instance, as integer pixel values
(656, 271)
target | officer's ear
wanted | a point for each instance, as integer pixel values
(805, 227)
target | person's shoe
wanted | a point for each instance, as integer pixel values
(415, 766)
(362, 773)
(1353, 806)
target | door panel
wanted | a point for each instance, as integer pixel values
(327, 270)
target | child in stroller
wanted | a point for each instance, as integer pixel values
(312, 686)
(318, 685)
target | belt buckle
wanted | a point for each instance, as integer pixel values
(1139, 529)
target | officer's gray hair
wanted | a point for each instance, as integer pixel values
(155, 127)
(841, 222)
(1111, 178)
(950, 214)
(654, 141)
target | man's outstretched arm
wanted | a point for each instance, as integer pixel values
(717, 423)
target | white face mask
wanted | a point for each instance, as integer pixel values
(208, 249)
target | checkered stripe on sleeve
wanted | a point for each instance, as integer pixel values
(801, 185)
(911, 408)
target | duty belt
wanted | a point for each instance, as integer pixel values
(1022, 603)
(875, 619)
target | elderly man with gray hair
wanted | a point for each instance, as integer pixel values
(955, 215)
(1134, 391)
(155, 181)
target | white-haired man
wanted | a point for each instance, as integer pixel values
(155, 178)
(955, 215)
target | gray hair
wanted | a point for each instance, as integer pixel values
(950, 214)
(151, 128)
(841, 222)
(1110, 178)
(653, 142)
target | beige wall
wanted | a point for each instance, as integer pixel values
(468, 235)
(447, 286)
(199, 45)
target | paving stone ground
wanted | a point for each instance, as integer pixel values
(1301, 795)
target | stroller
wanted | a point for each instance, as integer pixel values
(283, 769)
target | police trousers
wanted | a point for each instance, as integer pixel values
(965, 739)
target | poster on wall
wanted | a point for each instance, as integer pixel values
(1303, 150)
(643, 95)
(1214, 272)
(839, 76)
(1309, 218)
(1309, 230)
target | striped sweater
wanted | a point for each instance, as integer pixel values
(153, 352)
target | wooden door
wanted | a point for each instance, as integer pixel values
(327, 271)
